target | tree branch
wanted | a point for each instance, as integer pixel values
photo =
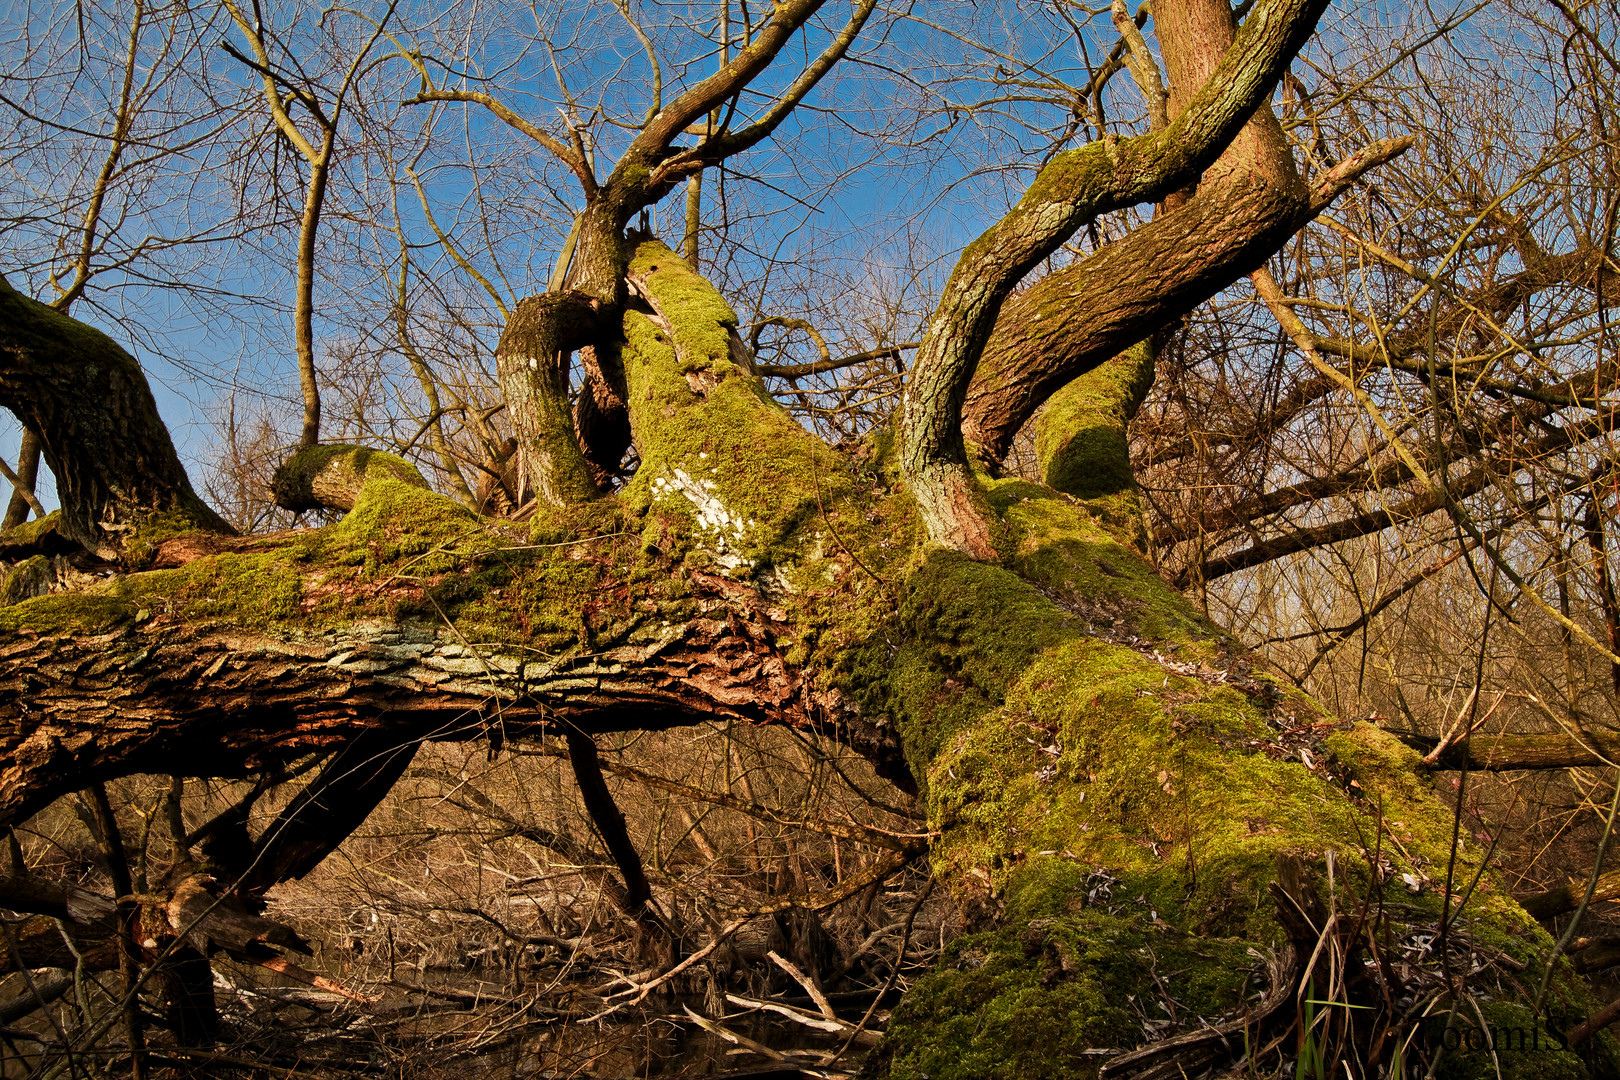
(114, 462)
(562, 150)
(1075, 187)
(1072, 320)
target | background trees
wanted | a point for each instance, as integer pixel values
(473, 180)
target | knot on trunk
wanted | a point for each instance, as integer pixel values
(332, 477)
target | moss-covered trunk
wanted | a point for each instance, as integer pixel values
(1159, 845)
(1114, 786)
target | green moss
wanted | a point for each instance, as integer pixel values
(141, 547)
(1083, 446)
(1039, 997)
(393, 519)
(1525, 1048)
(1060, 546)
(336, 475)
(700, 320)
(1097, 755)
(1112, 787)
(962, 632)
(252, 590)
(725, 473)
(1387, 768)
(69, 613)
(402, 553)
(29, 578)
(32, 533)
(1063, 754)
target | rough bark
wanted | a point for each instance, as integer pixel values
(1567, 897)
(531, 363)
(1071, 321)
(1505, 753)
(1243, 209)
(115, 465)
(99, 686)
(571, 460)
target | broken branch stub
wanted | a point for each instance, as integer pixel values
(331, 477)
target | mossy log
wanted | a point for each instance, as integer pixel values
(332, 477)
(1505, 753)
(1563, 899)
(1114, 785)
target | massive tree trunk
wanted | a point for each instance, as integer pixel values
(1114, 786)
(1130, 810)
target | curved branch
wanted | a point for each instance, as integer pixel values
(529, 362)
(562, 150)
(1072, 320)
(1075, 187)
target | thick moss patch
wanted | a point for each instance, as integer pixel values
(1041, 997)
(402, 553)
(1053, 541)
(1525, 1048)
(1083, 445)
(723, 468)
(1147, 785)
(69, 613)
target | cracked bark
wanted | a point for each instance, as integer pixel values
(114, 462)
(941, 669)
(157, 694)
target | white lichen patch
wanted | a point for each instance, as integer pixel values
(723, 531)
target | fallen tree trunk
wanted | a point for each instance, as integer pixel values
(1137, 823)
(1114, 788)
(1505, 753)
(1566, 898)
